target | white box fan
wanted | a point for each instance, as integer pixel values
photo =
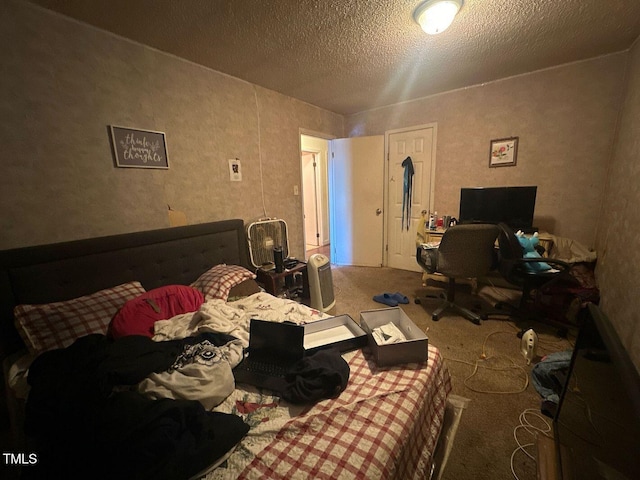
(320, 282)
(263, 236)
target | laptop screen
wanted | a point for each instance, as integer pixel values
(274, 340)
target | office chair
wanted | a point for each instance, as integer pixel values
(465, 251)
(513, 268)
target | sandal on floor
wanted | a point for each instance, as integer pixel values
(398, 297)
(387, 299)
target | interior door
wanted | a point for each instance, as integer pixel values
(419, 145)
(357, 191)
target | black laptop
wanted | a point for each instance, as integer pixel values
(274, 348)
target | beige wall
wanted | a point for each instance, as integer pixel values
(68, 82)
(579, 130)
(618, 241)
(565, 120)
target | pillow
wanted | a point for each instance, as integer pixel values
(138, 316)
(57, 325)
(217, 281)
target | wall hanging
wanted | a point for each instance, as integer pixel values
(503, 152)
(139, 148)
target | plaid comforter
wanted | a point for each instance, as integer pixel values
(384, 425)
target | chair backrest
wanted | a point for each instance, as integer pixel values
(510, 263)
(467, 251)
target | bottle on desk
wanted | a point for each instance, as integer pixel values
(278, 259)
(432, 220)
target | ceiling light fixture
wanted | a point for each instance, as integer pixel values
(435, 16)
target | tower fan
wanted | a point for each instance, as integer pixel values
(320, 282)
(265, 235)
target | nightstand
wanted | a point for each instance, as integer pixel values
(286, 283)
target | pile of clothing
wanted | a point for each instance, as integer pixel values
(86, 418)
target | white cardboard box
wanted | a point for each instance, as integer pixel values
(413, 350)
(339, 332)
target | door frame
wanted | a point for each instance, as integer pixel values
(327, 138)
(312, 210)
(387, 146)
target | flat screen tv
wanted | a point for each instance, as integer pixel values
(597, 424)
(511, 205)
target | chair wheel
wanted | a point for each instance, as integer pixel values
(417, 301)
(435, 317)
(484, 316)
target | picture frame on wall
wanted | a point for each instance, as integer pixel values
(134, 148)
(503, 152)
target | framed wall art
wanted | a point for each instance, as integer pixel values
(503, 152)
(139, 148)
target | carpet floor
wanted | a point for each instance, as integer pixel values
(485, 363)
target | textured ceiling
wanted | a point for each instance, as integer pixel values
(353, 55)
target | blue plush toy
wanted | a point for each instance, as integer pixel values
(529, 246)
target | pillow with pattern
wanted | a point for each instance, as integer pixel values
(54, 325)
(218, 281)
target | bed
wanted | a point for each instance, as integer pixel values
(385, 424)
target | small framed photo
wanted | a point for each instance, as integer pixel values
(503, 152)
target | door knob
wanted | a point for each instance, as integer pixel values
(378, 211)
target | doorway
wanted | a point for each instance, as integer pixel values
(315, 194)
(416, 144)
(366, 198)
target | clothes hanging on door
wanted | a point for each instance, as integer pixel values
(407, 163)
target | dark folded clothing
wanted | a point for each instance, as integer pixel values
(322, 375)
(82, 424)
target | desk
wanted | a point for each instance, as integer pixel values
(546, 241)
(432, 236)
(435, 236)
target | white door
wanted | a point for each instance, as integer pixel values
(419, 145)
(357, 190)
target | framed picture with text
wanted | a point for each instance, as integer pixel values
(503, 152)
(139, 148)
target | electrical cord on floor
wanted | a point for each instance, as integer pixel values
(483, 357)
(526, 425)
(497, 291)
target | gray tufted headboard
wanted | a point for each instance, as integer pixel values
(63, 271)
